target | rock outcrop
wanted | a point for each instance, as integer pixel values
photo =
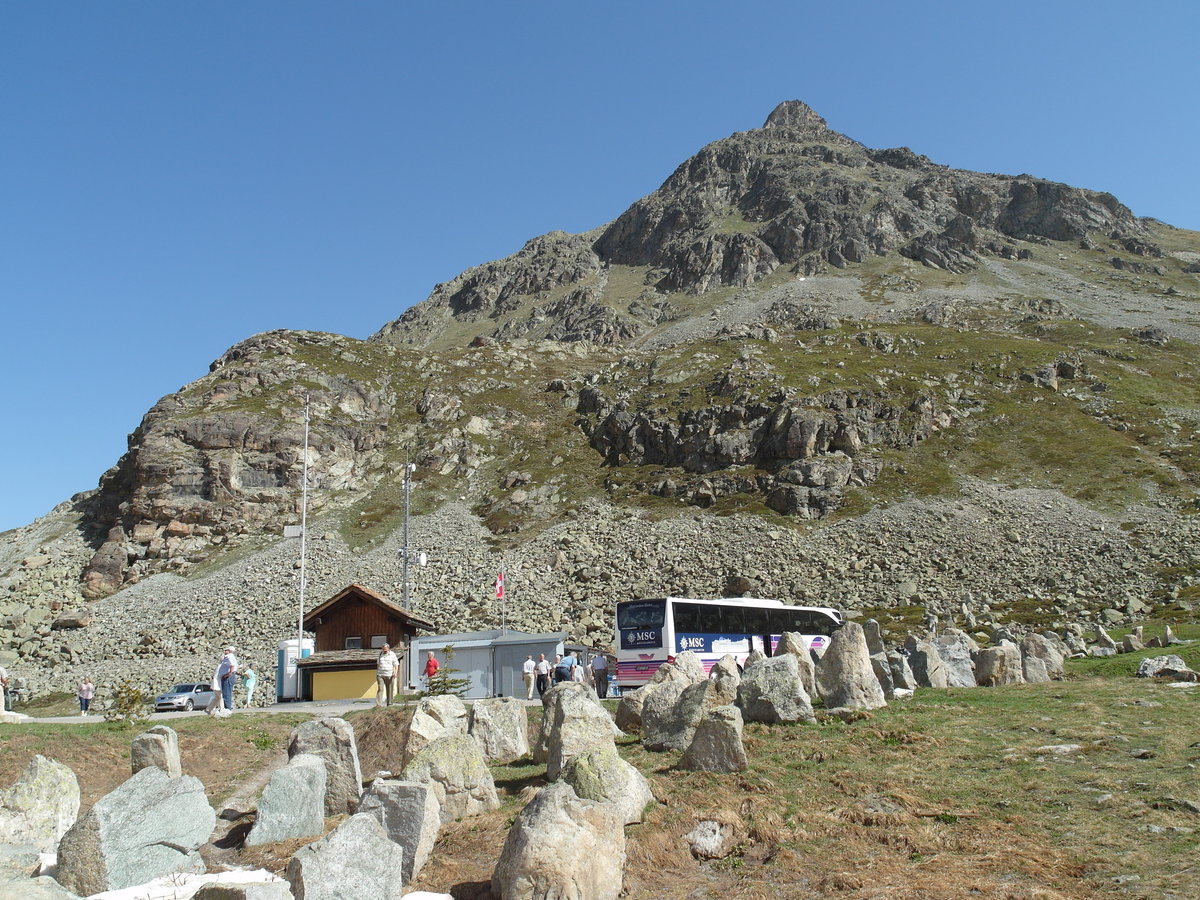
(411, 817)
(501, 728)
(292, 804)
(353, 861)
(561, 846)
(332, 739)
(39, 808)
(150, 826)
(771, 691)
(157, 746)
(456, 771)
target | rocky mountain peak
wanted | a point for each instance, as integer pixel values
(794, 114)
(793, 197)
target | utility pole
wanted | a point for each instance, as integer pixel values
(408, 555)
(303, 549)
(408, 470)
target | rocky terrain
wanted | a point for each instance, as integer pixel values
(801, 368)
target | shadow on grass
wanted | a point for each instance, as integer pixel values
(515, 777)
(472, 890)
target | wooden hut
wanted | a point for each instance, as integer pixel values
(349, 629)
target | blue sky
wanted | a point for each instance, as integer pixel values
(175, 177)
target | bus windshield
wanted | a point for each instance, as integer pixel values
(641, 614)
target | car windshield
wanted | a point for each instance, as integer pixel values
(181, 689)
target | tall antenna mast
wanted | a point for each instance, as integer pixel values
(303, 548)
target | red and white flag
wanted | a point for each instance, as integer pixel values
(500, 586)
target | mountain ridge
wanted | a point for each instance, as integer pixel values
(793, 333)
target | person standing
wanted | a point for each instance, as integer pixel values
(542, 668)
(250, 679)
(600, 674)
(564, 668)
(5, 697)
(86, 692)
(431, 669)
(385, 676)
(227, 676)
(529, 674)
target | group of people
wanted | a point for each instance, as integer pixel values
(227, 676)
(564, 668)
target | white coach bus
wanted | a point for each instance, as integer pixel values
(651, 632)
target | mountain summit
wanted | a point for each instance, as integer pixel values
(794, 114)
(791, 195)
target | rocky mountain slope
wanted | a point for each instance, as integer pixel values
(802, 368)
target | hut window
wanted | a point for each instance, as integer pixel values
(378, 640)
(354, 643)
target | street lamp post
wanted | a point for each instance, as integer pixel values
(408, 555)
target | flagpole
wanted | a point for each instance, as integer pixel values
(502, 596)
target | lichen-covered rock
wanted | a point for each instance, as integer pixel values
(40, 806)
(501, 728)
(717, 744)
(716, 838)
(771, 691)
(845, 675)
(157, 746)
(573, 721)
(454, 767)
(601, 775)
(874, 636)
(689, 664)
(1033, 670)
(573, 694)
(883, 674)
(410, 815)
(332, 739)
(292, 804)
(562, 848)
(433, 718)
(150, 826)
(245, 890)
(672, 712)
(354, 861)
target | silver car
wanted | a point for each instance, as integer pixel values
(184, 697)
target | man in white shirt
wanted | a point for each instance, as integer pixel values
(227, 676)
(5, 699)
(528, 672)
(385, 676)
(542, 668)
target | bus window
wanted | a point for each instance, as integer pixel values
(733, 620)
(780, 621)
(688, 618)
(758, 621)
(641, 614)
